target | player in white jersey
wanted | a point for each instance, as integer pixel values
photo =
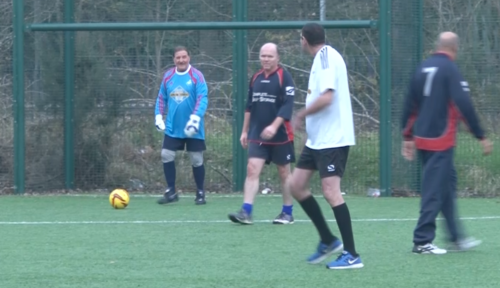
(330, 133)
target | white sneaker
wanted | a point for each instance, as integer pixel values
(464, 244)
(428, 248)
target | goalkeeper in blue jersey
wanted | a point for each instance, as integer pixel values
(183, 98)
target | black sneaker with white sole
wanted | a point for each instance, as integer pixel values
(283, 218)
(200, 198)
(428, 248)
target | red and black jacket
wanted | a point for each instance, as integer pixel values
(438, 98)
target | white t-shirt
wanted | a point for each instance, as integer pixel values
(333, 126)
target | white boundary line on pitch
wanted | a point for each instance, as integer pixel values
(208, 195)
(214, 221)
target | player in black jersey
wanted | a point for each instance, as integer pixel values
(267, 132)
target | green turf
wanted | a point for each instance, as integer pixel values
(200, 248)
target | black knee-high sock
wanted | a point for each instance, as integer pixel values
(199, 176)
(343, 218)
(312, 209)
(169, 170)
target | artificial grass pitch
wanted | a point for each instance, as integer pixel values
(70, 241)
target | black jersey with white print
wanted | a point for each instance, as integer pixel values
(270, 97)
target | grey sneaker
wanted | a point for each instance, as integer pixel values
(170, 196)
(464, 244)
(283, 218)
(241, 217)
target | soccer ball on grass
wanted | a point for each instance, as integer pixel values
(119, 198)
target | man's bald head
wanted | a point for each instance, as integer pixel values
(270, 47)
(269, 57)
(447, 42)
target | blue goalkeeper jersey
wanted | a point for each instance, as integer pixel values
(180, 95)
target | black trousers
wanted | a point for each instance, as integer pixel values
(439, 184)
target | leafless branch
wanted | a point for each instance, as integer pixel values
(215, 11)
(365, 114)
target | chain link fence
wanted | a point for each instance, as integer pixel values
(117, 75)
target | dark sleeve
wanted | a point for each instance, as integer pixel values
(459, 92)
(410, 111)
(248, 107)
(288, 92)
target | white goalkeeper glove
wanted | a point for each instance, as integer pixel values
(192, 125)
(160, 125)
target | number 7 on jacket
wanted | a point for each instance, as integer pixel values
(431, 71)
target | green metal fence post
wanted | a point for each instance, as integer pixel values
(385, 96)
(239, 84)
(418, 56)
(18, 93)
(69, 58)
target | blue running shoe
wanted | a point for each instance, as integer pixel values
(345, 261)
(324, 251)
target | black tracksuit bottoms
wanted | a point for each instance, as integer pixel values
(439, 184)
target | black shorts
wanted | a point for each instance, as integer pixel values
(329, 162)
(279, 154)
(191, 144)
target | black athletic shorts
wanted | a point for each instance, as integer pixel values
(329, 162)
(279, 154)
(190, 144)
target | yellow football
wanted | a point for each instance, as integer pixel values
(119, 198)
